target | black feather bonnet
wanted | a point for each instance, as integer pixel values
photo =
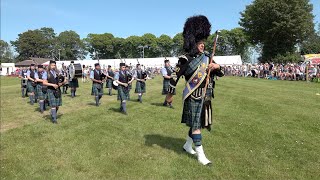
(196, 29)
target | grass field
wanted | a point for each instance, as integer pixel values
(262, 130)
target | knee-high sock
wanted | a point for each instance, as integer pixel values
(110, 91)
(41, 103)
(44, 105)
(124, 106)
(22, 92)
(197, 139)
(64, 89)
(54, 114)
(31, 96)
(97, 100)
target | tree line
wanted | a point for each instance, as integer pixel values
(67, 45)
(280, 30)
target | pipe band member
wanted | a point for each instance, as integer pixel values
(31, 84)
(24, 82)
(41, 89)
(96, 77)
(73, 84)
(110, 78)
(140, 76)
(167, 72)
(194, 66)
(123, 87)
(53, 80)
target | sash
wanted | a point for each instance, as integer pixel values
(197, 78)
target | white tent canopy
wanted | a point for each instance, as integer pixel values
(146, 62)
(7, 69)
(228, 60)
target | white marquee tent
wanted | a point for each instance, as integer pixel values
(147, 62)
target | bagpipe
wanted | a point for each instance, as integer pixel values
(57, 92)
(103, 76)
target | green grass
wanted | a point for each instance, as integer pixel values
(262, 130)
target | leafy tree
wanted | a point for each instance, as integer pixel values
(165, 44)
(34, 43)
(277, 25)
(102, 44)
(6, 54)
(150, 40)
(71, 45)
(177, 44)
(131, 47)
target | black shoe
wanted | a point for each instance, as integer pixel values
(125, 113)
(164, 104)
(55, 122)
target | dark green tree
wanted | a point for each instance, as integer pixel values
(6, 54)
(177, 44)
(150, 40)
(71, 46)
(100, 45)
(165, 45)
(277, 25)
(35, 43)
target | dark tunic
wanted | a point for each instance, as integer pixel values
(109, 80)
(97, 87)
(165, 87)
(31, 85)
(140, 86)
(123, 92)
(53, 100)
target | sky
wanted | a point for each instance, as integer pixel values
(122, 18)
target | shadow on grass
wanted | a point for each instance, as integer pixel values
(91, 104)
(158, 104)
(48, 117)
(170, 143)
(115, 110)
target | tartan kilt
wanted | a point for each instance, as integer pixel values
(165, 87)
(74, 83)
(123, 93)
(191, 113)
(30, 87)
(53, 101)
(109, 83)
(97, 89)
(41, 95)
(140, 87)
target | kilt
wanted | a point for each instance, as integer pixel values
(41, 95)
(53, 101)
(123, 93)
(191, 113)
(140, 87)
(31, 88)
(165, 87)
(97, 89)
(109, 83)
(74, 83)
